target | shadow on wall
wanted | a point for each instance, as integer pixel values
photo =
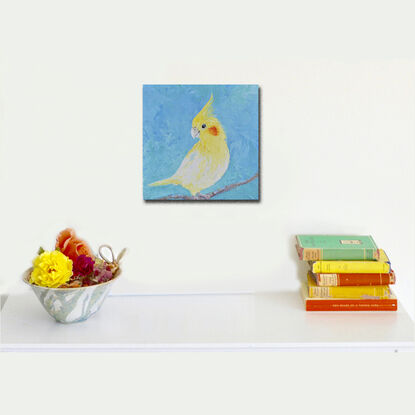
(3, 299)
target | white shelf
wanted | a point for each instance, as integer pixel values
(269, 321)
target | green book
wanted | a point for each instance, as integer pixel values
(336, 247)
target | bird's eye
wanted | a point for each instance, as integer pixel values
(203, 125)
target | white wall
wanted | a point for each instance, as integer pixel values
(337, 146)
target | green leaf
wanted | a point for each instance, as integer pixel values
(40, 251)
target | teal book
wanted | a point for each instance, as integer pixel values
(336, 247)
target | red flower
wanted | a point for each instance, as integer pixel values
(82, 266)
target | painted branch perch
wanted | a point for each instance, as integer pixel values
(210, 195)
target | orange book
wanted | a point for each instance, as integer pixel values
(337, 280)
(347, 304)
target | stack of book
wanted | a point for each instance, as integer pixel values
(346, 273)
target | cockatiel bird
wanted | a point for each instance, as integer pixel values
(208, 159)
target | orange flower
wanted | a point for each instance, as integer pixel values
(71, 246)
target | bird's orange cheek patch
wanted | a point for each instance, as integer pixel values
(213, 131)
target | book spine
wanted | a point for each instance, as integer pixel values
(363, 254)
(309, 254)
(336, 280)
(351, 305)
(350, 267)
(327, 254)
(362, 292)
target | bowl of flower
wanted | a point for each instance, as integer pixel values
(71, 282)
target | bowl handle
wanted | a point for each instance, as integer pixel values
(113, 259)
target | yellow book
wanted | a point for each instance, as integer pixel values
(363, 291)
(382, 256)
(382, 265)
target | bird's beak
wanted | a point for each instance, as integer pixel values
(195, 132)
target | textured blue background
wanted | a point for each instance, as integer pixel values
(168, 111)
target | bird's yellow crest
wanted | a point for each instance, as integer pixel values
(205, 113)
(206, 126)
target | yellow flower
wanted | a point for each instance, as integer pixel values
(51, 269)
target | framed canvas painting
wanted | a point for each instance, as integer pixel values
(200, 142)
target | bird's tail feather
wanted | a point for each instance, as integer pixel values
(170, 180)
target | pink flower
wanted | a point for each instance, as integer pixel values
(102, 272)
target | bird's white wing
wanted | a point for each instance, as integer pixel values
(200, 170)
(192, 168)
